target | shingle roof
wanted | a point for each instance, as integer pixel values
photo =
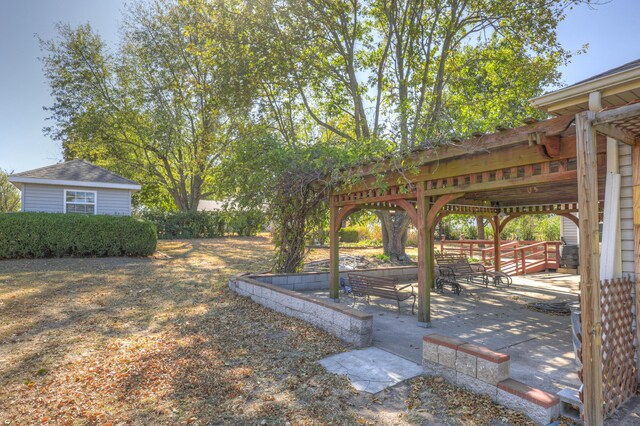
(625, 67)
(76, 170)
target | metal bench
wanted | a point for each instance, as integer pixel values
(387, 288)
(452, 268)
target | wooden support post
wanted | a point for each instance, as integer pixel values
(497, 259)
(425, 257)
(334, 254)
(635, 164)
(431, 277)
(589, 268)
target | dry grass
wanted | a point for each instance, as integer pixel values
(163, 341)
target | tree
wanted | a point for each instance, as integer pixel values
(293, 189)
(9, 195)
(409, 72)
(153, 109)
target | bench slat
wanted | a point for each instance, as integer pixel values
(379, 287)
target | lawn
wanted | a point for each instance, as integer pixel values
(163, 341)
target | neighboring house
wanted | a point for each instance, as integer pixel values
(75, 186)
(211, 205)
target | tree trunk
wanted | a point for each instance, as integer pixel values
(480, 224)
(394, 234)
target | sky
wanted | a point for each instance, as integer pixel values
(612, 31)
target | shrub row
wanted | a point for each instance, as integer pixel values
(33, 235)
(206, 224)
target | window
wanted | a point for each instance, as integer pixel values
(83, 202)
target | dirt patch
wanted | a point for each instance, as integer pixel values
(164, 341)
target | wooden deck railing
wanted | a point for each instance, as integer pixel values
(517, 257)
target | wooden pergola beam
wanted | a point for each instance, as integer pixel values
(507, 183)
(616, 133)
(506, 138)
(616, 114)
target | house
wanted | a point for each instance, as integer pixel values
(75, 186)
(614, 88)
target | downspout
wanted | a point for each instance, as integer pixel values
(611, 252)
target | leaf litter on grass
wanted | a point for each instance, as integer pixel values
(164, 341)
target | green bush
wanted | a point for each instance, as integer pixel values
(29, 235)
(206, 224)
(245, 223)
(349, 234)
(172, 225)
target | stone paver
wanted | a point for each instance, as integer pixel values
(371, 370)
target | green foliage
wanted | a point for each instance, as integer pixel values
(36, 235)
(382, 256)
(266, 102)
(524, 228)
(245, 223)
(409, 73)
(349, 234)
(151, 108)
(491, 83)
(533, 228)
(455, 226)
(9, 194)
(192, 224)
(205, 224)
(294, 188)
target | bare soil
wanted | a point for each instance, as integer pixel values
(163, 340)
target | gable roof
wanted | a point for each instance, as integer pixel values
(625, 67)
(617, 86)
(77, 173)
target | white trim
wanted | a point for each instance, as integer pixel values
(582, 89)
(94, 204)
(84, 184)
(22, 189)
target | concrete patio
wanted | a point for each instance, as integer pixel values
(539, 343)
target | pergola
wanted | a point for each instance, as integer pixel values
(527, 170)
(555, 166)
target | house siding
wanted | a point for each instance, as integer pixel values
(50, 199)
(626, 209)
(568, 231)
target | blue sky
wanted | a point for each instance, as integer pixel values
(611, 30)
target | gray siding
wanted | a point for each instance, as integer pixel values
(626, 209)
(569, 231)
(50, 199)
(114, 201)
(42, 198)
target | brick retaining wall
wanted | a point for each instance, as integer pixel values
(350, 325)
(483, 371)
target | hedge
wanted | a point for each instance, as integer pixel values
(205, 224)
(37, 235)
(349, 234)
